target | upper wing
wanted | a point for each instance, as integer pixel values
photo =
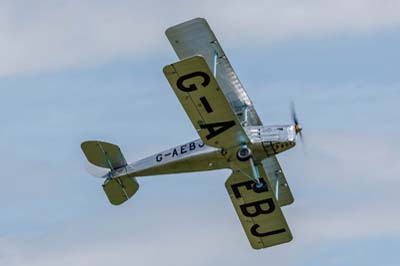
(277, 180)
(259, 212)
(205, 103)
(195, 37)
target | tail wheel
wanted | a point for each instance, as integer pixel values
(243, 154)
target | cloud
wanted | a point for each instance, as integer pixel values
(198, 228)
(70, 33)
(345, 186)
(346, 222)
(47, 35)
(147, 240)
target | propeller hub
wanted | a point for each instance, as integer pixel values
(298, 128)
(296, 123)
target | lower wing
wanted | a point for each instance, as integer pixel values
(258, 210)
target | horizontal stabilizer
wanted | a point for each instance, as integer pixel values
(103, 154)
(119, 190)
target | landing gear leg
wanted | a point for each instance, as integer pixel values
(244, 154)
(277, 172)
(258, 185)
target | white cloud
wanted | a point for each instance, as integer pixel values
(198, 228)
(49, 35)
(345, 187)
(69, 33)
(362, 159)
(346, 222)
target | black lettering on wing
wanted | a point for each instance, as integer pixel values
(206, 104)
(254, 232)
(253, 209)
(249, 186)
(257, 206)
(214, 129)
(192, 87)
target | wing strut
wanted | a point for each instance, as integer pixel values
(254, 169)
(244, 155)
(245, 115)
(277, 172)
(215, 59)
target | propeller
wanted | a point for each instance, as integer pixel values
(296, 122)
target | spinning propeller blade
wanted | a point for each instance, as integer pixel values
(296, 122)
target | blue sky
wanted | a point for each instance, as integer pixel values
(81, 70)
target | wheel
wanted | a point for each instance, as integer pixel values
(259, 187)
(243, 154)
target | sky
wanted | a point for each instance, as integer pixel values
(77, 70)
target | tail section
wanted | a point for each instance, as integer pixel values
(119, 186)
(120, 189)
(103, 154)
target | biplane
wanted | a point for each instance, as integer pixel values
(231, 136)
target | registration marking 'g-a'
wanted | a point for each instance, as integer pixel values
(203, 79)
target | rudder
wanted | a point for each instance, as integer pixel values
(119, 186)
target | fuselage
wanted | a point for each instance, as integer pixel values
(196, 156)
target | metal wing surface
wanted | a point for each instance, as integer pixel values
(195, 37)
(259, 212)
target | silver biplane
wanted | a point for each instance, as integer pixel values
(231, 136)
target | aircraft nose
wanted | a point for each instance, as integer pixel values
(298, 128)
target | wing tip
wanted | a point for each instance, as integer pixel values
(257, 246)
(167, 69)
(169, 30)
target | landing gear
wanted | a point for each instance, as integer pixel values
(243, 154)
